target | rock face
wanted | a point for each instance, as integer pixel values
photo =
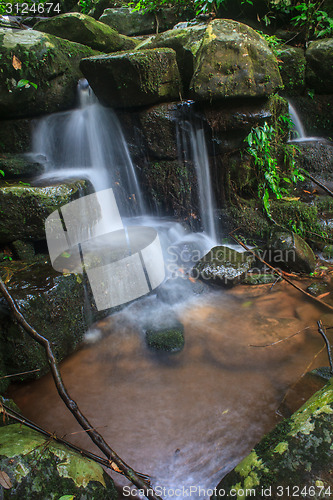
(298, 453)
(290, 251)
(37, 468)
(233, 61)
(319, 70)
(45, 61)
(223, 266)
(15, 135)
(292, 69)
(130, 79)
(51, 303)
(87, 31)
(19, 166)
(24, 208)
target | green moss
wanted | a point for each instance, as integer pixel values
(167, 339)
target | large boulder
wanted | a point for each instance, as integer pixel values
(223, 266)
(15, 135)
(32, 466)
(137, 78)
(52, 303)
(24, 208)
(233, 61)
(289, 251)
(40, 72)
(319, 69)
(86, 30)
(294, 459)
(19, 166)
(292, 68)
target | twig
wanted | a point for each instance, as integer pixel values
(21, 373)
(117, 463)
(281, 340)
(323, 304)
(328, 346)
(14, 415)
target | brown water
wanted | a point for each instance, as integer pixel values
(185, 419)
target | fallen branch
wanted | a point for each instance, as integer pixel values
(282, 275)
(328, 346)
(14, 415)
(281, 340)
(117, 464)
(320, 184)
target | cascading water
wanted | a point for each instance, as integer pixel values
(298, 133)
(88, 143)
(192, 147)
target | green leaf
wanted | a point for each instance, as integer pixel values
(2, 173)
(67, 497)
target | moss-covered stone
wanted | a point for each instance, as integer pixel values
(166, 339)
(52, 303)
(129, 79)
(290, 251)
(233, 61)
(25, 208)
(41, 468)
(86, 30)
(297, 454)
(292, 68)
(260, 279)
(19, 166)
(48, 62)
(319, 66)
(15, 135)
(223, 266)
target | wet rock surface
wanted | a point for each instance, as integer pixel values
(290, 251)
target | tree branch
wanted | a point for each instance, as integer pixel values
(328, 346)
(116, 462)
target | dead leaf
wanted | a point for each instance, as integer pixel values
(323, 295)
(115, 467)
(5, 480)
(16, 63)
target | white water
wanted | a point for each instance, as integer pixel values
(298, 134)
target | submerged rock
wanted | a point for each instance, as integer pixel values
(87, 31)
(14, 165)
(169, 339)
(223, 266)
(129, 79)
(233, 61)
(319, 68)
(36, 467)
(295, 458)
(24, 208)
(52, 303)
(289, 251)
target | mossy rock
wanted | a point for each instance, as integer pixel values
(15, 135)
(52, 303)
(39, 468)
(298, 453)
(319, 67)
(86, 30)
(318, 288)
(166, 339)
(233, 61)
(45, 61)
(289, 251)
(15, 165)
(292, 68)
(129, 79)
(223, 266)
(261, 279)
(24, 208)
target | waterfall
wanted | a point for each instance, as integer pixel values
(87, 142)
(298, 133)
(192, 148)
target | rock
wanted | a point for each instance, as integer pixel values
(223, 266)
(35, 464)
(317, 158)
(297, 454)
(42, 60)
(233, 61)
(292, 68)
(319, 69)
(130, 22)
(260, 279)
(52, 303)
(86, 30)
(23, 250)
(129, 79)
(185, 42)
(19, 166)
(289, 251)
(166, 339)
(15, 135)
(318, 288)
(159, 128)
(316, 115)
(328, 251)
(24, 208)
